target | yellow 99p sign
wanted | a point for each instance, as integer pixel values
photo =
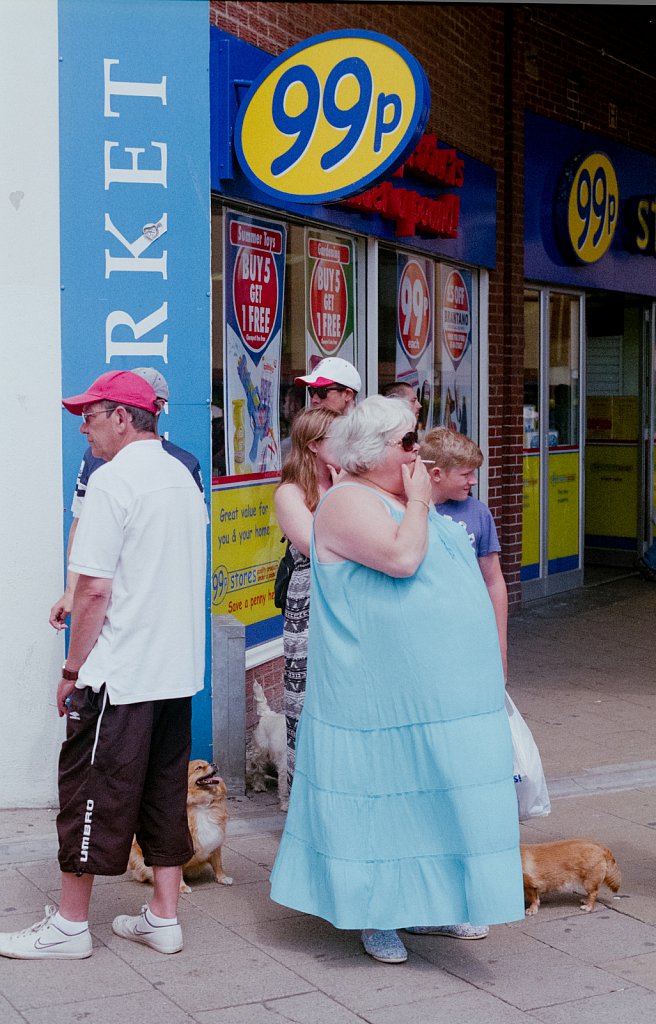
(331, 116)
(591, 207)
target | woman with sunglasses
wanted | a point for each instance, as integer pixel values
(307, 474)
(403, 812)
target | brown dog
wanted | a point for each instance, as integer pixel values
(566, 866)
(207, 814)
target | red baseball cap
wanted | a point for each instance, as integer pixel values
(116, 386)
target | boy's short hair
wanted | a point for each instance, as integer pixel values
(449, 450)
(397, 389)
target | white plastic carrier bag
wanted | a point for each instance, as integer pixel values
(530, 784)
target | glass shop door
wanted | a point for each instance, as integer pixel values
(619, 443)
(552, 455)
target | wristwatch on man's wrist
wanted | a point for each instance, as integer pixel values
(69, 676)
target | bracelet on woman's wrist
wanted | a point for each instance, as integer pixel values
(422, 502)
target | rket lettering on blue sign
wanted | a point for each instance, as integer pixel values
(135, 263)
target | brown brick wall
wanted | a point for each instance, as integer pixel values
(586, 58)
(506, 325)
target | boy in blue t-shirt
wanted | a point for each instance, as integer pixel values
(452, 460)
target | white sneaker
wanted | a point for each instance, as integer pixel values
(45, 941)
(165, 938)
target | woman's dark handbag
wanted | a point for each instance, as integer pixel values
(283, 576)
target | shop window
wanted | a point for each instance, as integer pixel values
(218, 425)
(321, 316)
(428, 336)
(284, 295)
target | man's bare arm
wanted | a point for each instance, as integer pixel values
(92, 596)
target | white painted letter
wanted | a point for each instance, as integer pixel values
(135, 174)
(128, 348)
(149, 234)
(129, 89)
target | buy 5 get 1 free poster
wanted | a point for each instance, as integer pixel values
(254, 287)
(330, 297)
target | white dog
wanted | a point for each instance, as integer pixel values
(267, 746)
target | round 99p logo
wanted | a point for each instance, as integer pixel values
(587, 207)
(331, 115)
(414, 310)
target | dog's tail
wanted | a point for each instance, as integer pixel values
(613, 877)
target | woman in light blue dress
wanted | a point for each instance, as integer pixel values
(403, 811)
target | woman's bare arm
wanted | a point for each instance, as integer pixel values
(354, 523)
(294, 517)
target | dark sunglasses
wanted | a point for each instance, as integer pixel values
(408, 441)
(323, 389)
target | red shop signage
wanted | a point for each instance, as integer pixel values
(415, 213)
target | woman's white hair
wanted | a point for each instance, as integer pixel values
(359, 438)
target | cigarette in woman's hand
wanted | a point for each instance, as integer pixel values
(429, 461)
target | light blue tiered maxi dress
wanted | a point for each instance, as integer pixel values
(403, 808)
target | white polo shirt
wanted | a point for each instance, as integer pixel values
(143, 526)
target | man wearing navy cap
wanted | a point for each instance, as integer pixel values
(136, 657)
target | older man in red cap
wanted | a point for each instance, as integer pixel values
(62, 607)
(136, 657)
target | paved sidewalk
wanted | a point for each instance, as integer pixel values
(582, 673)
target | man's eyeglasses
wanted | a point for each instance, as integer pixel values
(323, 389)
(86, 416)
(408, 441)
